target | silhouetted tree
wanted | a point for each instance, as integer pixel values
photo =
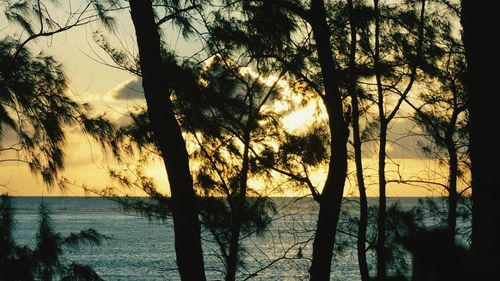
(443, 116)
(233, 123)
(223, 112)
(395, 50)
(354, 15)
(253, 32)
(43, 262)
(35, 108)
(158, 87)
(227, 122)
(331, 196)
(480, 55)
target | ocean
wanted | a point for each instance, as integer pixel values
(143, 250)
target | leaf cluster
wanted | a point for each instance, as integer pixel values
(46, 260)
(35, 108)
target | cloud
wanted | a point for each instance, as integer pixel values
(128, 90)
(404, 141)
(117, 102)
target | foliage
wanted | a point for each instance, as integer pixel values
(442, 110)
(35, 108)
(224, 105)
(46, 260)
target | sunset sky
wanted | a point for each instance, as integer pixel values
(115, 91)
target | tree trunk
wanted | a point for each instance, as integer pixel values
(452, 170)
(239, 207)
(363, 202)
(331, 196)
(382, 216)
(481, 56)
(382, 205)
(232, 259)
(171, 143)
(452, 190)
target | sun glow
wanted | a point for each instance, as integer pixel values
(299, 120)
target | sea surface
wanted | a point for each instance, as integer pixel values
(143, 250)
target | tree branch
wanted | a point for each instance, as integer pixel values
(175, 14)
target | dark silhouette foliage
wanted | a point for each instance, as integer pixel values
(46, 260)
(213, 125)
(228, 120)
(35, 110)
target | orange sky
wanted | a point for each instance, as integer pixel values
(102, 86)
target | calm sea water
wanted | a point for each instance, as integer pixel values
(141, 250)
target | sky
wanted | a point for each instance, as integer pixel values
(114, 91)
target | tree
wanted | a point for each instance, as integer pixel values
(398, 40)
(208, 105)
(485, 191)
(355, 94)
(35, 106)
(227, 123)
(44, 261)
(233, 123)
(267, 43)
(443, 117)
(331, 196)
(157, 90)
(335, 181)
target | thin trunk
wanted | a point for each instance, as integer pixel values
(232, 259)
(232, 262)
(452, 191)
(382, 206)
(363, 202)
(239, 209)
(331, 196)
(452, 169)
(171, 143)
(382, 216)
